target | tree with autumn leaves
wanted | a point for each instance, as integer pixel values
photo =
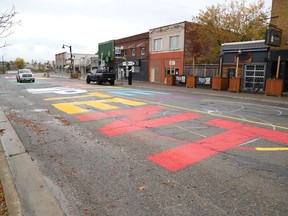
(19, 63)
(233, 21)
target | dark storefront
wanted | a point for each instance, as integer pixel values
(283, 69)
(134, 51)
(252, 67)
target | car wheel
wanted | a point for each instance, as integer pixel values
(88, 80)
(99, 82)
(112, 82)
(20, 81)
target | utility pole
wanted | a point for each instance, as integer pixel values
(3, 65)
(71, 57)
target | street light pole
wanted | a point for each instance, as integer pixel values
(71, 56)
(3, 66)
(127, 68)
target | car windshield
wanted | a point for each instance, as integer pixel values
(25, 71)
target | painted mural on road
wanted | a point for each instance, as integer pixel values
(141, 116)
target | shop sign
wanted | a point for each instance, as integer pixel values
(273, 37)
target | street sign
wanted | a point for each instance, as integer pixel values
(171, 62)
(273, 37)
(130, 63)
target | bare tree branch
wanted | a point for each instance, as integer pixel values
(5, 45)
(7, 22)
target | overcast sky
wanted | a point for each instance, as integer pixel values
(48, 24)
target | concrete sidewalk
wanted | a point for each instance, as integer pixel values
(26, 191)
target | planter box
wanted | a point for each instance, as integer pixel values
(235, 84)
(274, 87)
(74, 75)
(220, 83)
(171, 79)
(191, 81)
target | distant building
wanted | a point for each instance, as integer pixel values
(252, 63)
(61, 61)
(106, 55)
(135, 51)
(152, 55)
(171, 48)
(82, 63)
(258, 60)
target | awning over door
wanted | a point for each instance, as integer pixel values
(142, 44)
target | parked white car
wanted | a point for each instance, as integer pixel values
(25, 75)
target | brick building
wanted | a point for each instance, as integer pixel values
(171, 48)
(134, 50)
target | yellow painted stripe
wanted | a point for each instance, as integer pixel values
(98, 94)
(73, 107)
(218, 115)
(69, 108)
(100, 104)
(103, 104)
(272, 149)
(125, 101)
(92, 94)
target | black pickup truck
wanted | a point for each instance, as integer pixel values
(101, 76)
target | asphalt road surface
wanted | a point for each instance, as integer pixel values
(151, 149)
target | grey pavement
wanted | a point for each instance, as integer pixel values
(26, 191)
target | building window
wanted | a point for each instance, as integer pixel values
(172, 71)
(158, 44)
(143, 51)
(133, 52)
(174, 42)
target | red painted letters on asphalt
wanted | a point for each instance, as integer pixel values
(136, 119)
(185, 155)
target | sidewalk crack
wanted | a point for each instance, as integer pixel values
(13, 155)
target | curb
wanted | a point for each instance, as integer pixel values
(30, 194)
(11, 196)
